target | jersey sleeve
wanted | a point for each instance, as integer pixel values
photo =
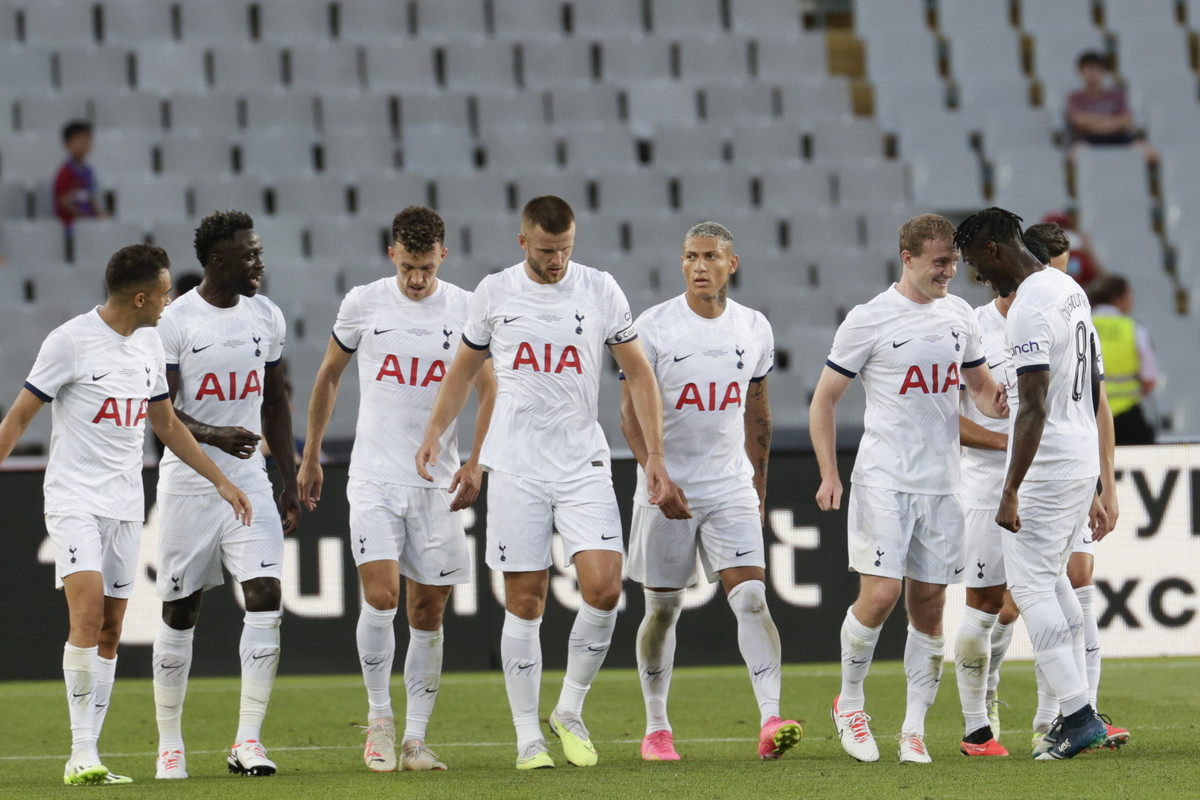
(973, 353)
(766, 361)
(348, 328)
(853, 343)
(170, 333)
(160, 391)
(477, 331)
(619, 327)
(275, 351)
(648, 333)
(54, 367)
(1028, 333)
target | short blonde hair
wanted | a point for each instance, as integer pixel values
(924, 228)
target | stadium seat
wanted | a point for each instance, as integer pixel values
(1030, 182)
(126, 152)
(714, 190)
(170, 67)
(898, 99)
(282, 237)
(32, 157)
(653, 102)
(935, 132)
(825, 230)
(33, 241)
(246, 68)
(632, 193)
(290, 22)
(1153, 90)
(899, 18)
(94, 241)
(520, 148)
(128, 112)
(765, 17)
(790, 189)
(430, 108)
(131, 22)
(309, 197)
(626, 62)
(747, 103)
(1122, 16)
(464, 196)
(947, 182)
(892, 55)
(45, 114)
(269, 111)
(372, 20)
(357, 111)
(814, 98)
(58, 24)
(380, 197)
(1154, 53)
(957, 16)
(323, 67)
(437, 20)
(215, 21)
(191, 152)
(881, 185)
(688, 146)
(846, 140)
(437, 149)
(178, 238)
(399, 69)
(26, 69)
(272, 152)
(242, 192)
(1025, 129)
(979, 95)
(94, 69)
(585, 106)
(528, 20)
(554, 63)
(788, 59)
(496, 112)
(150, 198)
(766, 145)
(1050, 19)
(686, 17)
(718, 59)
(359, 151)
(352, 241)
(881, 228)
(474, 66)
(611, 19)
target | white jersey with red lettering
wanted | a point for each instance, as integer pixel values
(1050, 328)
(404, 348)
(547, 343)
(983, 470)
(910, 356)
(704, 369)
(101, 384)
(221, 355)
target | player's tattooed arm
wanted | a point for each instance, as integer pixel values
(758, 438)
(236, 441)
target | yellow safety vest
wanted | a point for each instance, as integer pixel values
(1118, 343)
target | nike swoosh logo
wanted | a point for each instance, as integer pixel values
(860, 661)
(681, 358)
(374, 663)
(444, 573)
(80, 694)
(901, 344)
(997, 364)
(385, 330)
(262, 656)
(264, 564)
(758, 672)
(198, 349)
(512, 319)
(121, 585)
(960, 569)
(606, 538)
(98, 377)
(431, 691)
(740, 553)
(650, 673)
(595, 649)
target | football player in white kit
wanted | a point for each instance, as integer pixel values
(546, 322)
(1053, 459)
(711, 356)
(914, 346)
(405, 329)
(105, 372)
(224, 346)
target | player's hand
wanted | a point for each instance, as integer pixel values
(1108, 502)
(289, 510)
(237, 498)
(467, 481)
(1098, 522)
(427, 455)
(1007, 516)
(238, 442)
(1000, 401)
(309, 480)
(829, 494)
(674, 504)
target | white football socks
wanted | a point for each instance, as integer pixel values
(758, 641)
(923, 656)
(422, 678)
(590, 637)
(1001, 639)
(656, 654)
(971, 663)
(1091, 640)
(106, 675)
(858, 648)
(79, 674)
(376, 639)
(1052, 634)
(259, 651)
(521, 656)
(172, 661)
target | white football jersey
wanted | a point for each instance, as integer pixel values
(404, 348)
(704, 369)
(983, 470)
(910, 356)
(101, 384)
(548, 349)
(221, 355)
(1050, 328)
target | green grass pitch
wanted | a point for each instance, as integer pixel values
(311, 733)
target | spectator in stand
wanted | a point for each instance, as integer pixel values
(1082, 263)
(1099, 113)
(75, 184)
(1130, 368)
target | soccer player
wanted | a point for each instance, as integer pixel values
(403, 328)
(546, 322)
(711, 356)
(914, 346)
(1053, 461)
(105, 372)
(224, 344)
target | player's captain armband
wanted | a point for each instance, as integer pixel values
(622, 336)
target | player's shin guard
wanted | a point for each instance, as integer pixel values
(858, 648)
(376, 638)
(79, 674)
(259, 651)
(422, 678)
(923, 656)
(106, 675)
(521, 656)
(590, 637)
(973, 646)
(758, 641)
(1052, 636)
(172, 661)
(1091, 639)
(656, 654)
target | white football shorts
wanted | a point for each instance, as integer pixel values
(898, 534)
(523, 513)
(983, 549)
(198, 533)
(1052, 515)
(727, 533)
(87, 543)
(411, 525)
